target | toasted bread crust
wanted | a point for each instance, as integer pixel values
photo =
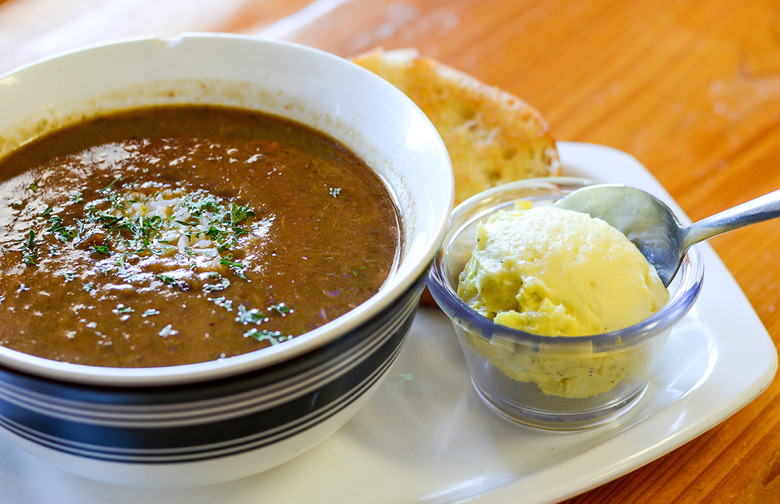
(492, 136)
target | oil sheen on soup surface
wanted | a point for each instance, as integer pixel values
(182, 234)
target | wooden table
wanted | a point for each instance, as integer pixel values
(689, 87)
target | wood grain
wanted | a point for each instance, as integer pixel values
(691, 88)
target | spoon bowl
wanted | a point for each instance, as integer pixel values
(654, 228)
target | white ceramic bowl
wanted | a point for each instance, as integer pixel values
(215, 421)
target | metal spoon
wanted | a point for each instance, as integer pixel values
(654, 228)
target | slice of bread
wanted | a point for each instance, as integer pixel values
(492, 136)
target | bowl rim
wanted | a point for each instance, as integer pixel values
(394, 287)
(688, 282)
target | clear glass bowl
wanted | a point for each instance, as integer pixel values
(551, 382)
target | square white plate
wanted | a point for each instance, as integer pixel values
(425, 436)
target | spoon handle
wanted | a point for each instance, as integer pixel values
(763, 208)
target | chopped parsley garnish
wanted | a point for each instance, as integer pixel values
(280, 308)
(29, 249)
(222, 285)
(334, 191)
(253, 316)
(236, 266)
(118, 179)
(63, 233)
(273, 337)
(100, 249)
(223, 302)
(239, 214)
(166, 279)
(233, 264)
(217, 234)
(120, 309)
